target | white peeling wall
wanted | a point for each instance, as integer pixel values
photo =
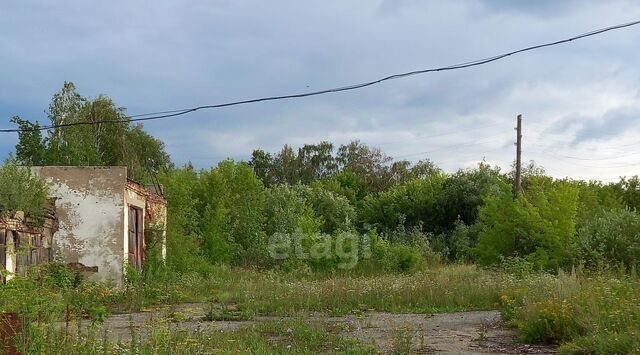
(90, 208)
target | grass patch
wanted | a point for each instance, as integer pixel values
(279, 337)
(584, 314)
(442, 289)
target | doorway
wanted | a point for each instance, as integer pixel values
(136, 237)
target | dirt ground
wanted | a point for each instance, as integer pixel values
(478, 332)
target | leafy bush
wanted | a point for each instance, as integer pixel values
(463, 194)
(335, 211)
(595, 197)
(286, 211)
(538, 225)
(585, 314)
(611, 238)
(231, 199)
(184, 242)
(413, 204)
(459, 243)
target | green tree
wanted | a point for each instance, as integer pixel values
(316, 162)
(31, 150)
(609, 239)
(594, 198)
(80, 136)
(21, 190)
(287, 211)
(263, 166)
(370, 165)
(184, 242)
(410, 205)
(231, 199)
(346, 184)
(629, 189)
(334, 211)
(538, 225)
(463, 194)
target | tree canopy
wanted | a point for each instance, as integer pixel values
(79, 136)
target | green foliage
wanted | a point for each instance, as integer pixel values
(629, 189)
(53, 292)
(595, 197)
(310, 163)
(369, 164)
(458, 244)
(31, 150)
(353, 170)
(230, 199)
(99, 143)
(610, 239)
(287, 211)
(538, 225)
(21, 190)
(590, 315)
(183, 220)
(346, 184)
(463, 194)
(413, 204)
(334, 211)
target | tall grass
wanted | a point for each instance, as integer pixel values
(276, 337)
(442, 289)
(597, 314)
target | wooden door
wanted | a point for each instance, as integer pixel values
(136, 238)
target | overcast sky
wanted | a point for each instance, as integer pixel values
(580, 101)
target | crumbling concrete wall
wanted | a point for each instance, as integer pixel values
(90, 206)
(156, 219)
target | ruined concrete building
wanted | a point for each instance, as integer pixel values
(99, 222)
(24, 242)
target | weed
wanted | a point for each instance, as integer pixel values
(588, 313)
(217, 311)
(402, 338)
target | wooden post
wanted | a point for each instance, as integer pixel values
(518, 181)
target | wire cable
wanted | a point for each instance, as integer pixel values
(563, 159)
(174, 113)
(483, 140)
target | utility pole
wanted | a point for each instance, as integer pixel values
(517, 188)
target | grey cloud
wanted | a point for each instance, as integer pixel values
(609, 125)
(532, 8)
(180, 54)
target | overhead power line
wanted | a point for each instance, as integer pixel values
(173, 113)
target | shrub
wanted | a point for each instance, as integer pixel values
(286, 211)
(390, 257)
(413, 204)
(538, 225)
(459, 243)
(585, 313)
(463, 194)
(184, 242)
(609, 239)
(230, 199)
(335, 211)
(402, 258)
